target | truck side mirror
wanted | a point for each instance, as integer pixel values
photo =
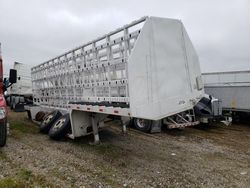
(13, 76)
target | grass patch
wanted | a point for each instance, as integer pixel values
(25, 174)
(24, 178)
(27, 178)
(19, 123)
(110, 151)
(107, 176)
(104, 149)
(22, 127)
(3, 156)
(11, 183)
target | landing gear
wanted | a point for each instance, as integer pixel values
(95, 130)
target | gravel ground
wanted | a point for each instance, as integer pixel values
(215, 156)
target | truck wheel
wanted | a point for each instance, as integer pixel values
(60, 128)
(40, 115)
(143, 125)
(49, 120)
(3, 133)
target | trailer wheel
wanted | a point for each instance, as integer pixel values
(60, 128)
(49, 120)
(143, 125)
(3, 133)
(40, 115)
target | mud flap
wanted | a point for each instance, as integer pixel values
(156, 126)
(19, 107)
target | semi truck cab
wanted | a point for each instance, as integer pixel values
(3, 106)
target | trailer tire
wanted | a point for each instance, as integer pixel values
(60, 128)
(143, 125)
(40, 115)
(49, 120)
(3, 133)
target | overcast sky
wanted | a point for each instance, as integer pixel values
(33, 31)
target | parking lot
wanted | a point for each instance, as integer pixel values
(214, 156)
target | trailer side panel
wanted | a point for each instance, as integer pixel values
(232, 88)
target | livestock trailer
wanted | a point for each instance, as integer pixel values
(231, 88)
(147, 71)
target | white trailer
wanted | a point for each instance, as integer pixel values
(147, 70)
(20, 93)
(232, 88)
